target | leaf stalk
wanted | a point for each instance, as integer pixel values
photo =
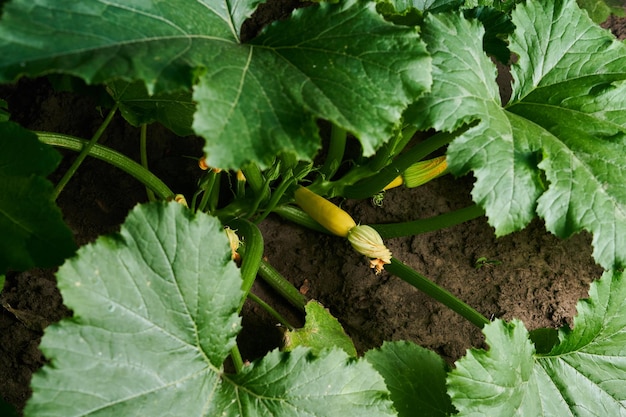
(433, 290)
(112, 157)
(83, 154)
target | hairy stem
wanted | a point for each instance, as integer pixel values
(235, 356)
(112, 157)
(254, 177)
(281, 285)
(433, 290)
(251, 253)
(287, 181)
(271, 311)
(441, 221)
(207, 188)
(143, 154)
(83, 154)
(392, 148)
(336, 150)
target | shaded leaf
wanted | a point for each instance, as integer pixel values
(432, 6)
(416, 378)
(33, 231)
(339, 62)
(7, 410)
(498, 27)
(173, 110)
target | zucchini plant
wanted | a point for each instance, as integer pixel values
(156, 306)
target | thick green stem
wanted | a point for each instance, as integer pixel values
(281, 285)
(425, 285)
(214, 198)
(287, 181)
(392, 148)
(235, 356)
(441, 221)
(251, 253)
(143, 155)
(83, 154)
(263, 195)
(270, 310)
(336, 150)
(112, 157)
(255, 179)
(207, 187)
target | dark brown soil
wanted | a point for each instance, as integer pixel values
(537, 278)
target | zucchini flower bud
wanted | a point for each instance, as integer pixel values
(366, 240)
(234, 242)
(202, 163)
(420, 173)
(180, 199)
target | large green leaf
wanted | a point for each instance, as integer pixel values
(566, 122)
(584, 375)
(416, 378)
(155, 315)
(157, 42)
(340, 62)
(33, 231)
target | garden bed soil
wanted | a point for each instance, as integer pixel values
(533, 276)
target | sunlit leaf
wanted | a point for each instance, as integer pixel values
(321, 331)
(557, 147)
(155, 316)
(584, 375)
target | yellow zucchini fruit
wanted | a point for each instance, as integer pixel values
(398, 181)
(364, 239)
(334, 219)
